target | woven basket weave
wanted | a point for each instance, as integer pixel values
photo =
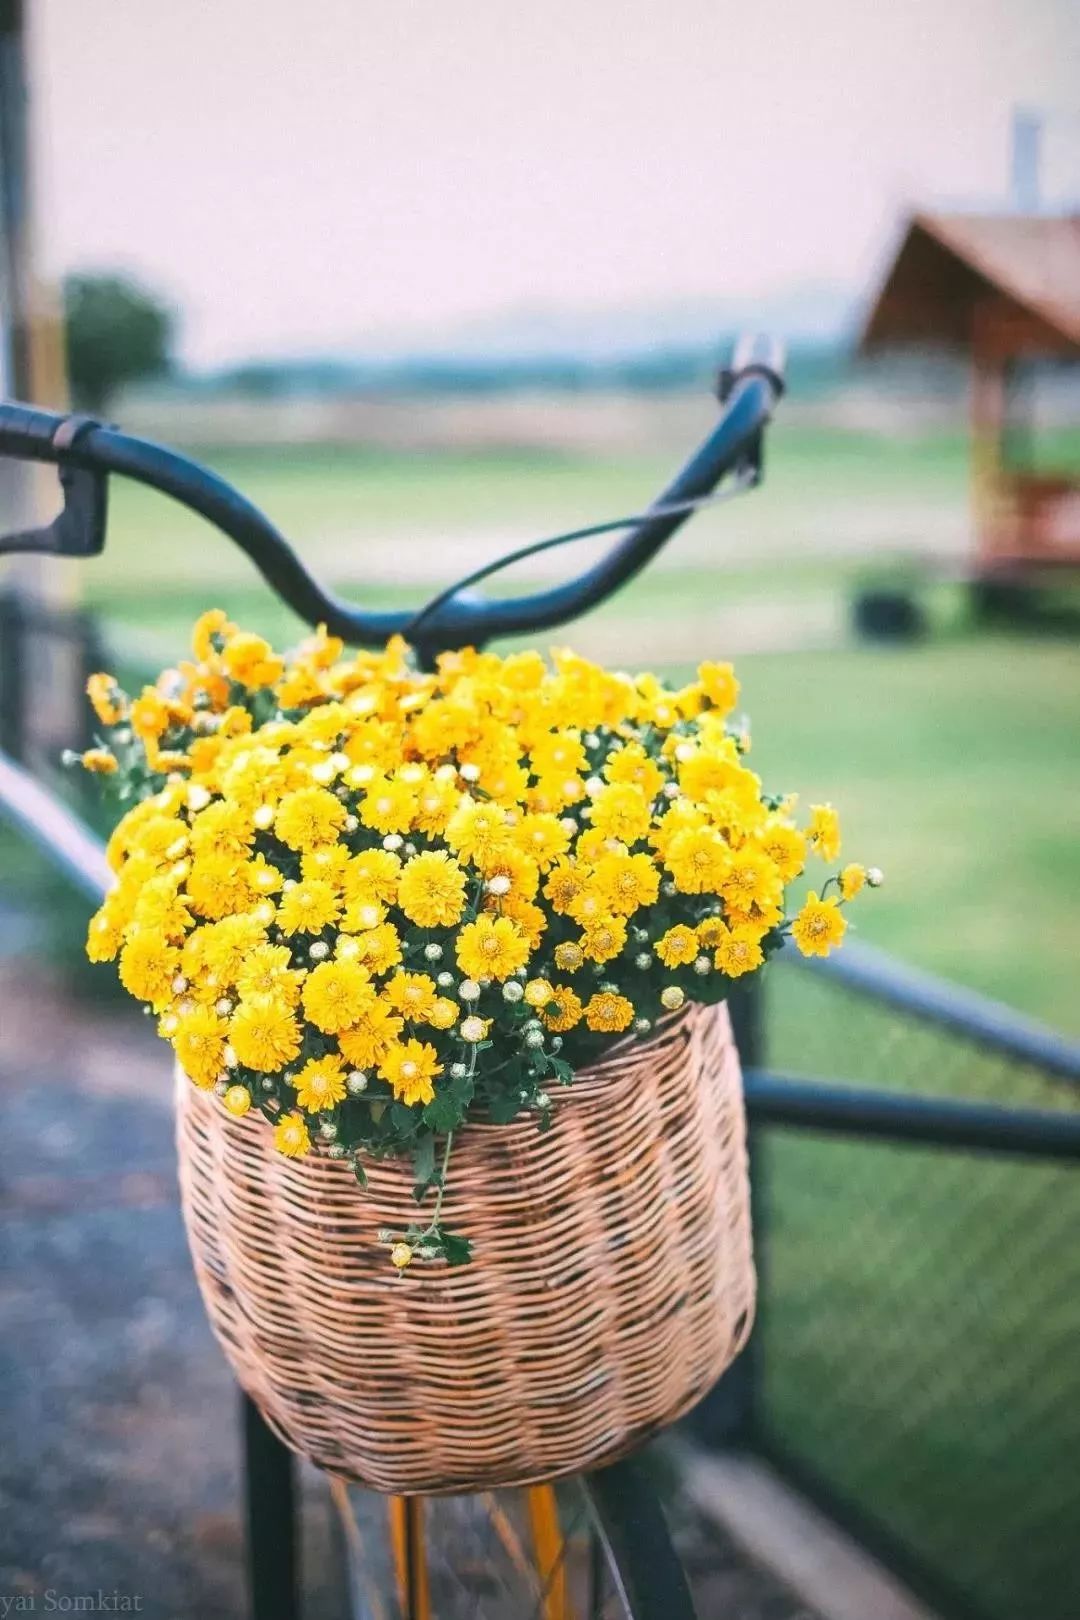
(611, 1283)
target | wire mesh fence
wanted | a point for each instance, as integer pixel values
(915, 1359)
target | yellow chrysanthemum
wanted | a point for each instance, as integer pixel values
(308, 818)
(199, 1043)
(374, 1034)
(569, 956)
(222, 948)
(337, 994)
(633, 765)
(608, 1013)
(374, 874)
(104, 935)
(478, 832)
(411, 1067)
(106, 699)
(562, 1010)
(432, 890)
(751, 879)
(698, 860)
(852, 879)
(491, 948)
(678, 946)
(563, 884)
(320, 1084)
(268, 971)
(719, 685)
(148, 966)
(291, 1136)
(823, 833)
(619, 811)
(543, 838)
(251, 661)
(379, 948)
(626, 882)
(603, 938)
(412, 995)
(819, 926)
(237, 1101)
(210, 626)
(786, 848)
(538, 992)
(738, 951)
(308, 908)
(265, 1034)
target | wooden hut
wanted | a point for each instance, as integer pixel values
(1004, 289)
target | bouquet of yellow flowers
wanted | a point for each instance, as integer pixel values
(372, 902)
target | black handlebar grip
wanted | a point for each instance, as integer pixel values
(755, 354)
(29, 433)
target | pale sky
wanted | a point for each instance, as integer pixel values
(305, 177)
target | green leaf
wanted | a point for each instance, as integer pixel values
(504, 1107)
(457, 1251)
(423, 1164)
(359, 1172)
(443, 1113)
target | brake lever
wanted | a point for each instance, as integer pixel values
(78, 530)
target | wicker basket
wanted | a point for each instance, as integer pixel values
(612, 1280)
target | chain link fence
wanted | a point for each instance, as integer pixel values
(915, 1363)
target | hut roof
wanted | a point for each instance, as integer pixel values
(950, 264)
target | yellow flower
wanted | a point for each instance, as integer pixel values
(99, 761)
(697, 859)
(106, 699)
(626, 882)
(603, 938)
(401, 1255)
(474, 1028)
(543, 838)
(331, 862)
(538, 993)
(379, 948)
(308, 908)
(222, 829)
(320, 1084)
(374, 874)
(104, 935)
(389, 805)
(738, 952)
(237, 1101)
(562, 1010)
(412, 995)
(564, 883)
(148, 966)
(262, 877)
(751, 879)
(371, 1037)
(824, 831)
(478, 832)
(786, 848)
(443, 1013)
(607, 1012)
(217, 887)
(558, 755)
(265, 1034)
(719, 685)
(677, 947)
(251, 661)
(199, 1043)
(619, 811)
(268, 971)
(410, 1067)
(852, 879)
(337, 994)
(819, 926)
(222, 948)
(149, 714)
(632, 764)
(432, 890)
(491, 948)
(291, 1136)
(309, 817)
(569, 956)
(213, 623)
(672, 997)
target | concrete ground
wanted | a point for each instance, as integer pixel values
(118, 1439)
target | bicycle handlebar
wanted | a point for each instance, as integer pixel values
(749, 390)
